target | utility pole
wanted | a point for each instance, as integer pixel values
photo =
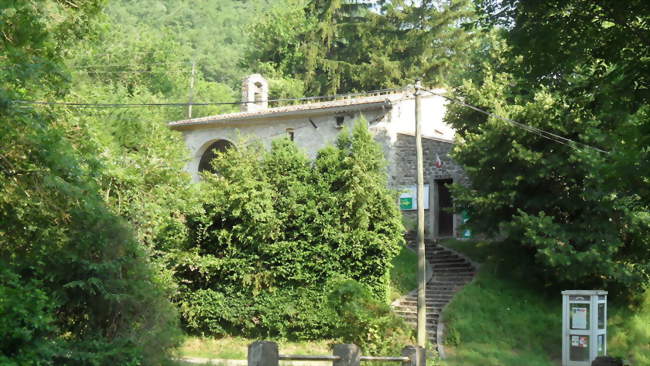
(189, 106)
(422, 311)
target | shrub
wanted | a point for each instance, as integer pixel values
(363, 320)
(276, 228)
(79, 288)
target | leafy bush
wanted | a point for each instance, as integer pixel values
(26, 320)
(94, 296)
(363, 320)
(276, 228)
(75, 287)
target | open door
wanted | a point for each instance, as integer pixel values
(445, 204)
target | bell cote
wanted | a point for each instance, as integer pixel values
(255, 93)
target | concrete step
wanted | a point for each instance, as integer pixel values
(437, 261)
(450, 273)
(432, 314)
(447, 265)
(431, 296)
(414, 304)
(451, 281)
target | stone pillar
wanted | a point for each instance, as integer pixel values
(350, 355)
(416, 354)
(263, 353)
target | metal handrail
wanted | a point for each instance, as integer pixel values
(385, 358)
(309, 357)
(336, 358)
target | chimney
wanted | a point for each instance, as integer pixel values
(255, 91)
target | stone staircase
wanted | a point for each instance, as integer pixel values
(450, 272)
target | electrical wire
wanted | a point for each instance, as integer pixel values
(87, 66)
(537, 131)
(183, 104)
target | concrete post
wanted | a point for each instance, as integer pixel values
(263, 353)
(350, 355)
(422, 271)
(416, 354)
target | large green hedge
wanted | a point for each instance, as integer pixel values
(279, 232)
(75, 286)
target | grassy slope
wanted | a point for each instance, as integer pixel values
(403, 280)
(403, 275)
(498, 320)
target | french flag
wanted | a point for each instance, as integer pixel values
(438, 163)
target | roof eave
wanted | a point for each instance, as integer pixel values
(179, 125)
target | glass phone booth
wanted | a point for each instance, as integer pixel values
(584, 326)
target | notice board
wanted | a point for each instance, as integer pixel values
(408, 198)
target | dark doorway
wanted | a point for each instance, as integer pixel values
(211, 152)
(445, 204)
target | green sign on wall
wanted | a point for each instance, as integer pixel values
(408, 198)
(406, 203)
(467, 233)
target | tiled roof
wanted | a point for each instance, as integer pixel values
(336, 105)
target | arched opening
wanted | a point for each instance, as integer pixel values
(205, 164)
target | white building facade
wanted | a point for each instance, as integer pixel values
(312, 126)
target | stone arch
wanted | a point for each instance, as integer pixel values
(210, 152)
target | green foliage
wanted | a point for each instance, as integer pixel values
(277, 229)
(26, 320)
(501, 319)
(365, 321)
(344, 46)
(629, 331)
(209, 33)
(580, 215)
(77, 288)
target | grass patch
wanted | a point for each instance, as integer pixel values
(629, 331)
(403, 274)
(236, 348)
(501, 320)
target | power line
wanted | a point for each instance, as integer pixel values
(184, 104)
(87, 66)
(537, 131)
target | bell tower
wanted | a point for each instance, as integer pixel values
(255, 93)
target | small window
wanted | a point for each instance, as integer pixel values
(339, 121)
(290, 134)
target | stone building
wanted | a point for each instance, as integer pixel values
(390, 116)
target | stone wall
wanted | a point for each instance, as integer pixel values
(403, 161)
(403, 172)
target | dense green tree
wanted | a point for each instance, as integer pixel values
(211, 33)
(346, 46)
(580, 71)
(279, 231)
(77, 288)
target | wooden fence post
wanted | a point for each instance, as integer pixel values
(349, 354)
(263, 353)
(417, 355)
